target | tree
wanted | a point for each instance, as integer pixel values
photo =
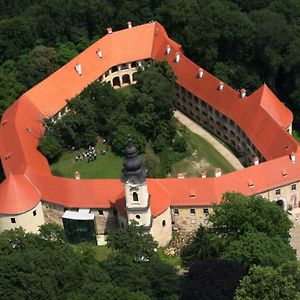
(212, 279)
(265, 283)
(52, 232)
(152, 163)
(165, 283)
(134, 241)
(203, 246)
(50, 147)
(119, 139)
(291, 268)
(37, 65)
(239, 214)
(256, 248)
(180, 144)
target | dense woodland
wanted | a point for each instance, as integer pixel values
(245, 43)
(244, 255)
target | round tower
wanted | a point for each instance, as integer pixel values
(137, 198)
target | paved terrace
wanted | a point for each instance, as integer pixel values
(197, 129)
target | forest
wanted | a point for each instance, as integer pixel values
(244, 43)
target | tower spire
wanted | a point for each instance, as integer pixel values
(133, 169)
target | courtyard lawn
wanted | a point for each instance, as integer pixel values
(108, 165)
(202, 156)
(199, 156)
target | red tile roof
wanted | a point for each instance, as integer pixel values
(261, 116)
(18, 195)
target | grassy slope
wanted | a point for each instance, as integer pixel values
(205, 157)
(109, 165)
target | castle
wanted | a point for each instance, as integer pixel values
(257, 126)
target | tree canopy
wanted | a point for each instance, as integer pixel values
(265, 283)
(248, 231)
(238, 214)
(45, 266)
(134, 241)
(212, 279)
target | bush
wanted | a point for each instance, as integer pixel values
(180, 145)
(50, 147)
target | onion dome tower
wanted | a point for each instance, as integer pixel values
(137, 198)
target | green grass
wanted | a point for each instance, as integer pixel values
(105, 166)
(100, 253)
(174, 261)
(201, 156)
(109, 165)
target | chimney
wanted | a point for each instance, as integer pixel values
(78, 69)
(203, 174)
(99, 53)
(200, 73)
(77, 175)
(243, 93)
(7, 156)
(180, 175)
(177, 57)
(168, 49)
(220, 86)
(255, 160)
(129, 24)
(218, 172)
(293, 157)
(109, 30)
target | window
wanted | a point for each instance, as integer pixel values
(34, 213)
(294, 187)
(114, 69)
(135, 197)
(122, 225)
(100, 211)
(114, 212)
(205, 211)
(176, 212)
(138, 217)
(192, 211)
(13, 220)
(277, 192)
(163, 223)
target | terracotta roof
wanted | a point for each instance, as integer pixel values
(123, 46)
(261, 116)
(17, 194)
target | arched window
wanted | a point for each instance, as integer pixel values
(125, 79)
(138, 217)
(116, 82)
(163, 223)
(135, 197)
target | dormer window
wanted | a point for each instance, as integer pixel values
(135, 197)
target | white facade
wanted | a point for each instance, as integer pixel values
(30, 220)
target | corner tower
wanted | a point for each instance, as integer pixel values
(137, 198)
